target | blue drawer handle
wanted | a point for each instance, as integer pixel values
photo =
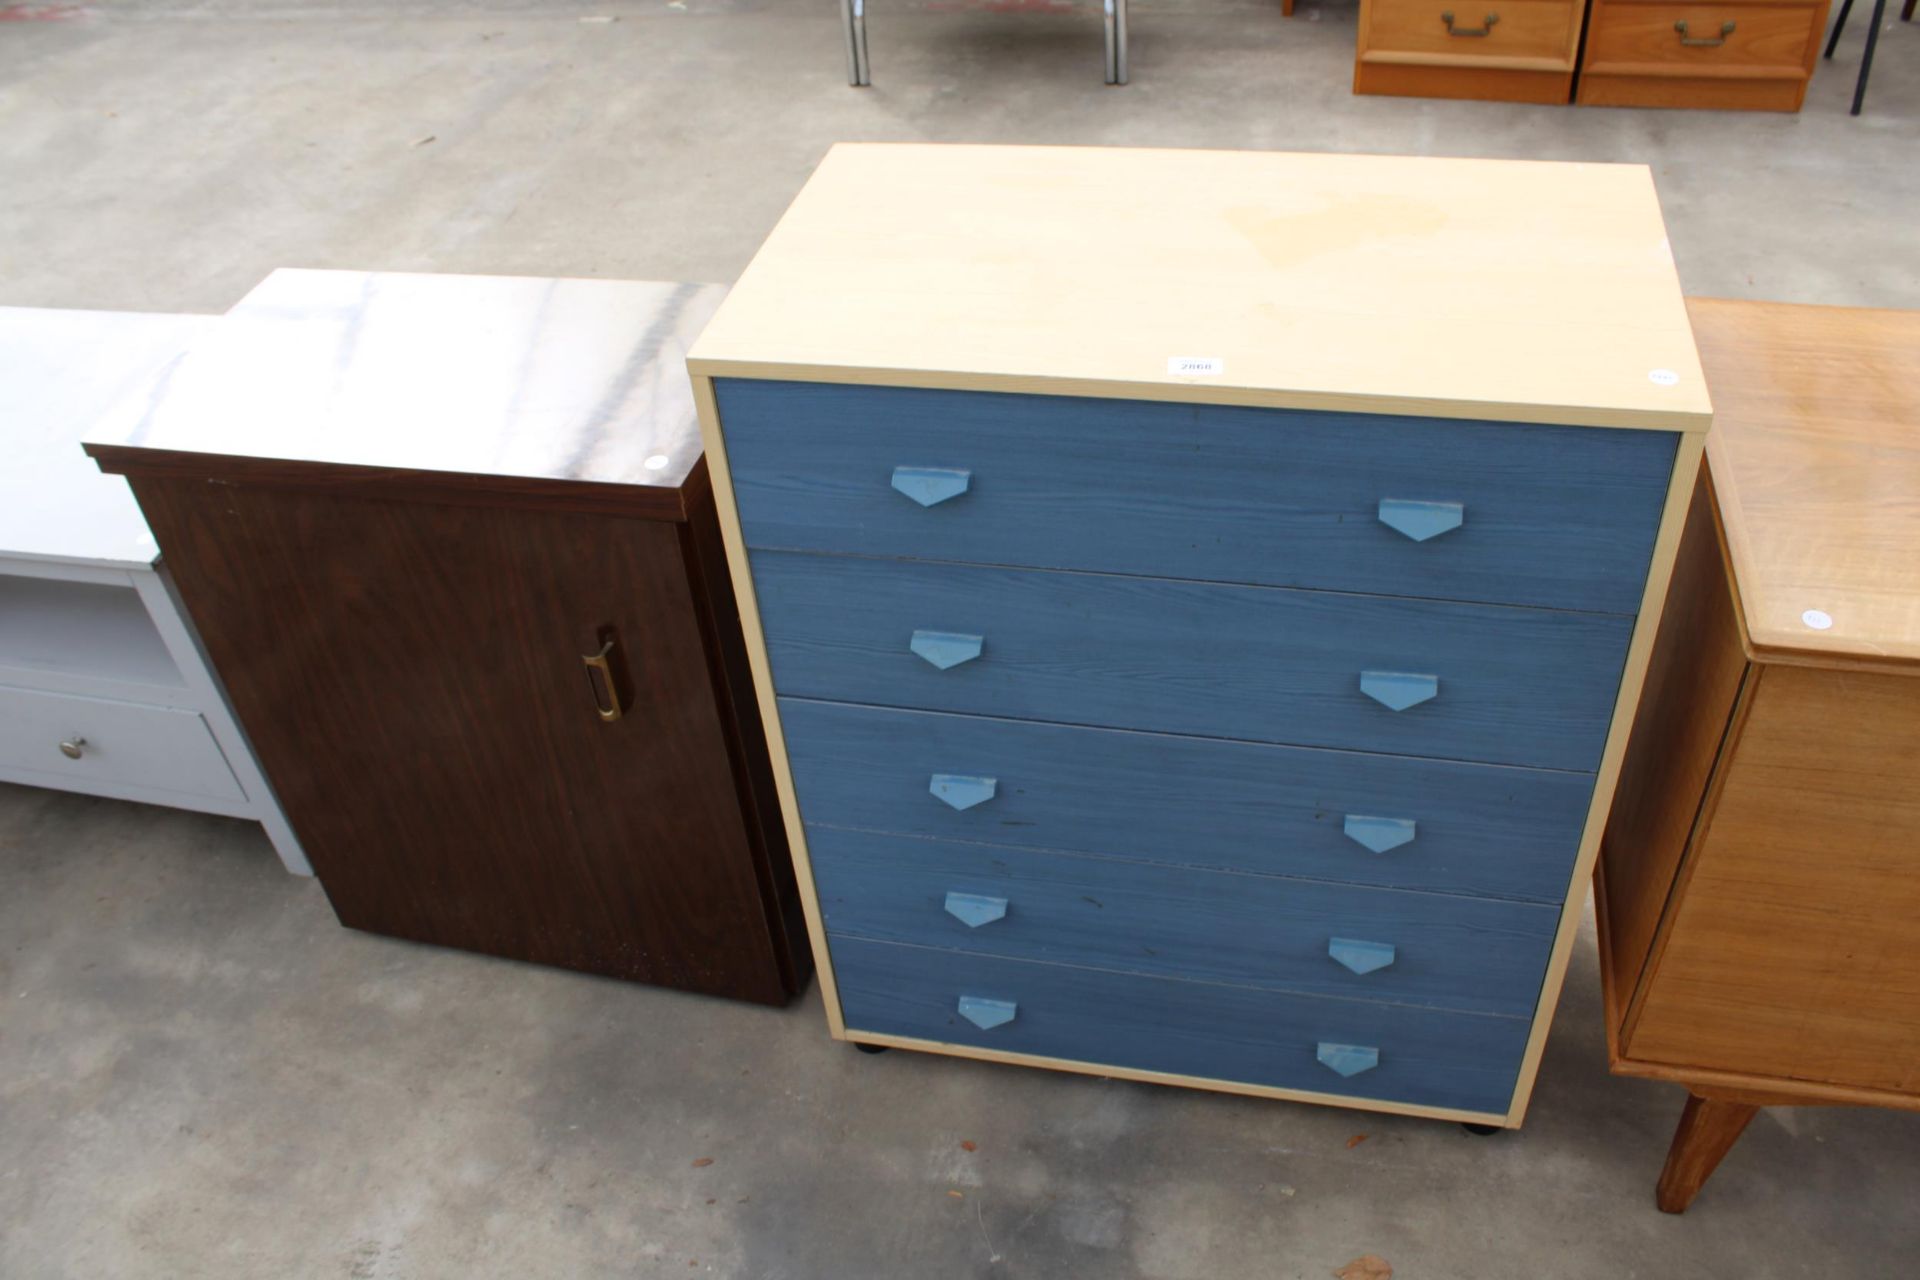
(1359, 955)
(960, 790)
(1398, 690)
(1421, 520)
(1379, 834)
(975, 909)
(930, 486)
(1348, 1059)
(987, 1014)
(946, 648)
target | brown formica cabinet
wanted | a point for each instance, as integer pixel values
(452, 549)
(1757, 886)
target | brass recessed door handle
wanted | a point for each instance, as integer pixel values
(607, 677)
(1485, 28)
(1726, 29)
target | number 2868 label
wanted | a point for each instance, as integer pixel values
(1195, 366)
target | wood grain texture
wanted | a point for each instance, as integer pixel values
(1479, 829)
(1768, 41)
(410, 675)
(1199, 1031)
(718, 616)
(1635, 58)
(1817, 463)
(1211, 926)
(1694, 94)
(1562, 517)
(1693, 681)
(1543, 31)
(1708, 1129)
(753, 634)
(1434, 287)
(1517, 686)
(1403, 79)
(1790, 949)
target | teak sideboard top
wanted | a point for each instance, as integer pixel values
(1816, 460)
(1514, 290)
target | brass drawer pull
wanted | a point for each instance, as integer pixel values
(612, 693)
(1726, 29)
(1485, 29)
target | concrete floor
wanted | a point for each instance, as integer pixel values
(202, 1075)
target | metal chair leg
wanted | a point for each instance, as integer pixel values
(1839, 25)
(854, 14)
(1866, 59)
(1113, 44)
(1120, 37)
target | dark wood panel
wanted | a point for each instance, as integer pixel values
(718, 615)
(1693, 680)
(411, 677)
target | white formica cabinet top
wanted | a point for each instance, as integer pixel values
(580, 380)
(60, 373)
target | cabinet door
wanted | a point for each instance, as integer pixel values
(411, 676)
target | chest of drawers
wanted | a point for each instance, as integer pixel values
(1194, 597)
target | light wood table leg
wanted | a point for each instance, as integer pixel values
(1708, 1129)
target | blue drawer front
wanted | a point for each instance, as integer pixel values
(1514, 686)
(1422, 1057)
(1485, 830)
(1304, 936)
(1556, 516)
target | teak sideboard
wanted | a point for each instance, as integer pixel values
(1758, 887)
(452, 547)
(1197, 598)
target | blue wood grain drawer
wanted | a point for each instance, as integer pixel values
(1392, 821)
(1306, 936)
(1349, 1048)
(1518, 514)
(1311, 668)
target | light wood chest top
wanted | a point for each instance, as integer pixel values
(1523, 291)
(1815, 454)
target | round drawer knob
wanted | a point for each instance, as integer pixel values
(73, 748)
